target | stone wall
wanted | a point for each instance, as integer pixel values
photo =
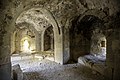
(113, 50)
(62, 11)
(96, 42)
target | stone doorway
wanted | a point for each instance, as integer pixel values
(35, 19)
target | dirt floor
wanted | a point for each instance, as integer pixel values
(43, 69)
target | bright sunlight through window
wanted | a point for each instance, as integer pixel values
(26, 45)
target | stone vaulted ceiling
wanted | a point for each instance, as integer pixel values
(34, 17)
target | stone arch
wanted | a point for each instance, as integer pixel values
(13, 42)
(85, 33)
(31, 27)
(56, 29)
(96, 27)
(27, 25)
(43, 38)
(109, 37)
(98, 32)
(97, 13)
(44, 11)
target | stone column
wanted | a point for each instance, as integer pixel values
(66, 46)
(42, 40)
(116, 74)
(52, 42)
(109, 58)
(37, 42)
(113, 56)
(5, 65)
(116, 49)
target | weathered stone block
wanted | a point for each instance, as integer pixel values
(17, 72)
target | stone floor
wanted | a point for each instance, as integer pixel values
(43, 69)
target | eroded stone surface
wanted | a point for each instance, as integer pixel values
(67, 15)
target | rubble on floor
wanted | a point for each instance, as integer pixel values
(43, 69)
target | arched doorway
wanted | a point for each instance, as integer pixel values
(23, 40)
(48, 43)
(25, 44)
(49, 39)
(91, 29)
(98, 44)
(44, 16)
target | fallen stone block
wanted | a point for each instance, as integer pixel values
(17, 73)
